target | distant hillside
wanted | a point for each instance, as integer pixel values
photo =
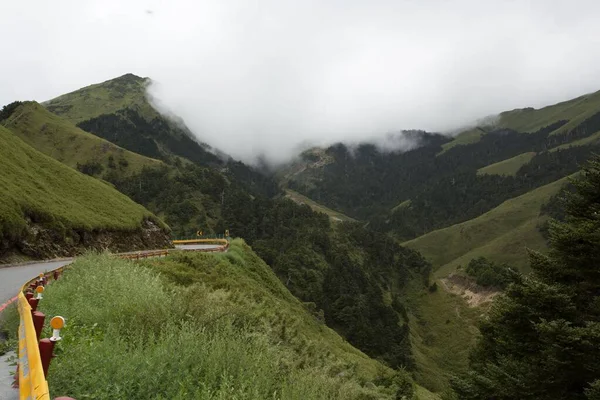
(48, 209)
(503, 234)
(449, 181)
(574, 111)
(61, 140)
(118, 110)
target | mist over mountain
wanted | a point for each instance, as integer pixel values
(268, 77)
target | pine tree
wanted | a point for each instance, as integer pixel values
(541, 339)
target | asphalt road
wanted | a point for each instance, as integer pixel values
(12, 278)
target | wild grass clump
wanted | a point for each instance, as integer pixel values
(9, 324)
(142, 331)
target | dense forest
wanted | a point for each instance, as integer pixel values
(540, 340)
(344, 270)
(158, 138)
(444, 188)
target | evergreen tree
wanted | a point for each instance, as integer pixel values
(542, 338)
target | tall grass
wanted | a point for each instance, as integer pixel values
(232, 332)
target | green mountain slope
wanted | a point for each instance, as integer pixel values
(103, 98)
(300, 199)
(502, 234)
(61, 140)
(118, 110)
(530, 119)
(42, 199)
(509, 166)
(228, 327)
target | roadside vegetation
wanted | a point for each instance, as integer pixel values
(206, 326)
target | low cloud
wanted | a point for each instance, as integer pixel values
(270, 77)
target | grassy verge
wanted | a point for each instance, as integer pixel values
(9, 324)
(205, 326)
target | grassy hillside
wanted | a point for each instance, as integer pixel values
(443, 331)
(301, 199)
(36, 187)
(103, 98)
(502, 234)
(531, 119)
(226, 326)
(467, 137)
(119, 110)
(508, 167)
(63, 141)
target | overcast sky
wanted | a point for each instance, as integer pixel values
(265, 76)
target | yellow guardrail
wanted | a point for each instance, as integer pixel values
(32, 382)
(224, 242)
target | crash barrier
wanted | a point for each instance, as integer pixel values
(35, 354)
(224, 244)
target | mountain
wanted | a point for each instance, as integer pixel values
(448, 181)
(48, 209)
(503, 233)
(488, 191)
(354, 279)
(119, 110)
(61, 140)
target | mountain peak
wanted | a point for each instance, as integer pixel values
(128, 90)
(130, 77)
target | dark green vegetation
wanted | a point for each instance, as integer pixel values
(541, 338)
(444, 188)
(208, 327)
(490, 274)
(355, 276)
(37, 190)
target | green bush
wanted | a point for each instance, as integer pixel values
(490, 274)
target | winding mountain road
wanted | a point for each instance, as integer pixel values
(15, 276)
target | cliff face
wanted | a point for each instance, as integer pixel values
(40, 242)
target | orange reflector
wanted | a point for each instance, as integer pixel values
(57, 322)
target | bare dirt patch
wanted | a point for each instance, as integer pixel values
(474, 294)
